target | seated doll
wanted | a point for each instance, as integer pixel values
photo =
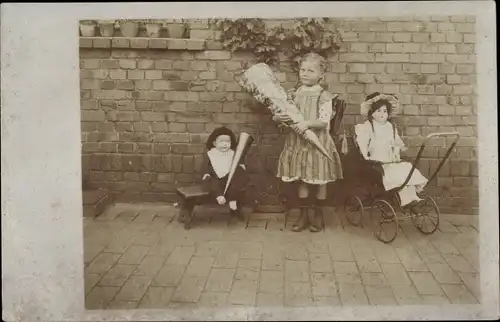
(379, 141)
(221, 145)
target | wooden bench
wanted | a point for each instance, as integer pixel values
(192, 196)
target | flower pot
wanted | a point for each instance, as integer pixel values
(129, 28)
(87, 30)
(153, 30)
(176, 30)
(107, 29)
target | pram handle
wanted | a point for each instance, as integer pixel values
(419, 155)
(442, 134)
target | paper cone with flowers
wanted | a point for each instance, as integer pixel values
(260, 81)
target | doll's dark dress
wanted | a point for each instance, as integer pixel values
(215, 185)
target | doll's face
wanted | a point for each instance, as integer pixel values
(310, 73)
(222, 143)
(381, 115)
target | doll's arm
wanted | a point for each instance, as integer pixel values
(362, 139)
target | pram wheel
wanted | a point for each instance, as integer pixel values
(427, 219)
(384, 221)
(354, 210)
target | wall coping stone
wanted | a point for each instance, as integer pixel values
(142, 43)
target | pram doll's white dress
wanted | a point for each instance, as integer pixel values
(382, 143)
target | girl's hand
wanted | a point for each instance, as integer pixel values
(278, 117)
(205, 176)
(243, 166)
(221, 200)
(303, 126)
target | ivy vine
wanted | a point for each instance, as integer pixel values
(306, 35)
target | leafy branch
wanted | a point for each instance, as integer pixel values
(306, 35)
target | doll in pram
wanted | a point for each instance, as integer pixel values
(376, 179)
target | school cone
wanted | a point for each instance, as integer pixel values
(244, 142)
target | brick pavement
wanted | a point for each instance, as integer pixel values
(139, 256)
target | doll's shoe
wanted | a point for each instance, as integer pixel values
(302, 222)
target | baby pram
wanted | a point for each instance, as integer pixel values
(363, 193)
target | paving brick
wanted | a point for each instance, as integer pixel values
(134, 255)
(320, 263)
(220, 280)
(169, 275)
(100, 296)
(251, 250)
(150, 266)
(296, 271)
(273, 259)
(458, 263)
(406, 295)
(459, 294)
(425, 283)
(117, 275)
(181, 255)
(272, 282)
(435, 300)
(296, 252)
(213, 299)
(352, 294)
(122, 305)
(366, 260)
(386, 254)
(189, 289)
(472, 281)
(270, 300)
(410, 260)
(243, 292)
(444, 247)
(374, 279)
(90, 281)
(444, 274)
(396, 274)
(102, 263)
(298, 294)
(341, 253)
(247, 274)
(323, 285)
(346, 272)
(156, 297)
(133, 289)
(199, 266)
(380, 295)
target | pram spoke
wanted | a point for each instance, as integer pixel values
(354, 210)
(384, 221)
(426, 218)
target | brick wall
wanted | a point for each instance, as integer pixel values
(147, 109)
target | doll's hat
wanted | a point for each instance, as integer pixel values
(374, 97)
(221, 131)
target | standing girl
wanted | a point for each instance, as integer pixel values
(378, 140)
(300, 161)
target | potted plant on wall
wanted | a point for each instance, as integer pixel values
(176, 29)
(129, 28)
(107, 27)
(153, 27)
(87, 28)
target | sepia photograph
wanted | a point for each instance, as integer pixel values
(267, 161)
(279, 162)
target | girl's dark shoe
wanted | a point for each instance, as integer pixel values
(303, 220)
(315, 221)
